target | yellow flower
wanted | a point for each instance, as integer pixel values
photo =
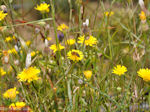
(14, 37)
(33, 53)
(109, 13)
(2, 15)
(12, 51)
(75, 55)
(89, 41)
(43, 7)
(54, 47)
(62, 27)
(119, 70)
(49, 38)
(29, 74)
(12, 106)
(87, 74)
(28, 43)
(20, 104)
(70, 41)
(17, 105)
(11, 93)
(142, 16)
(2, 72)
(145, 74)
(8, 39)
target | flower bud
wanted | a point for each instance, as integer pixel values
(28, 60)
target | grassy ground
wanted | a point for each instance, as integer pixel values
(89, 84)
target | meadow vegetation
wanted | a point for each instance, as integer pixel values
(76, 56)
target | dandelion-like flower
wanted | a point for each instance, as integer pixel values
(75, 55)
(142, 16)
(70, 41)
(28, 43)
(109, 13)
(17, 105)
(49, 38)
(2, 15)
(62, 27)
(11, 93)
(29, 74)
(119, 70)
(87, 74)
(8, 39)
(90, 41)
(144, 74)
(43, 7)
(33, 53)
(12, 51)
(2, 72)
(55, 48)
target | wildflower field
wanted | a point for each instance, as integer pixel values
(74, 55)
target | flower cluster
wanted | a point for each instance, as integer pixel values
(2, 15)
(29, 74)
(89, 41)
(43, 7)
(11, 93)
(55, 48)
(119, 70)
(75, 55)
(144, 74)
(62, 27)
(17, 105)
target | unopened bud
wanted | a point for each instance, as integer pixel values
(28, 60)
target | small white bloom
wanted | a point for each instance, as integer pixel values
(86, 23)
(28, 60)
(46, 43)
(16, 48)
(141, 3)
(16, 62)
(6, 59)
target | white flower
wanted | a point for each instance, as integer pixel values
(16, 48)
(28, 60)
(86, 23)
(141, 3)
(46, 43)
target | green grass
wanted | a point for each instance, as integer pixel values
(122, 39)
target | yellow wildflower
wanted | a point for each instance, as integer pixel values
(17, 105)
(70, 41)
(29, 74)
(33, 53)
(43, 7)
(109, 13)
(2, 15)
(8, 39)
(11, 93)
(14, 37)
(62, 27)
(119, 70)
(2, 72)
(49, 38)
(28, 43)
(12, 51)
(75, 55)
(89, 41)
(142, 16)
(54, 47)
(145, 74)
(87, 74)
